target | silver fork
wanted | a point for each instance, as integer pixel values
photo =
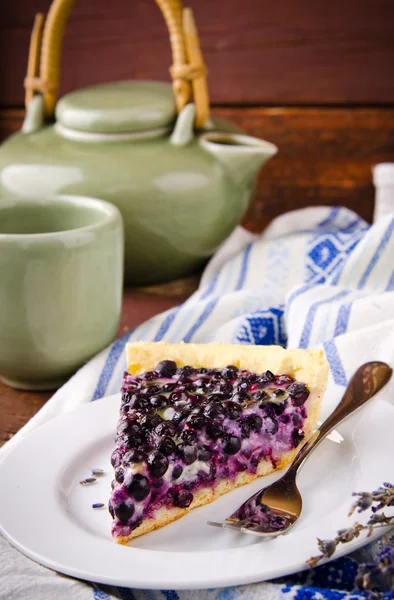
(273, 510)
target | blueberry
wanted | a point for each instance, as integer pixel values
(233, 410)
(124, 511)
(214, 429)
(181, 415)
(113, 483)
(133, 456)
(178, 397)
(202, 370)
(123, 427)
(187, 452)
(298, 392)
(204, 453)
(149, 376)
(129, 427)
(158, 402)
(260, 396)
(266, 377)
(254, 461)
(298, 436)
(278, 393)
(133, 398)
(214, 410)
(177, 472)
(240, 397)
(158, 464)
(242, 387)
(199, 383)
(198, 401)
(186, 371)
(197, 422)
(177, 418)
(166, 368)
(297, 419)
(232, 444)
(188, 436)
(140, 401)
(153, 390)
(226, 388)
(270, 425)
(250, 378)
(208, 387)
(119, 475)
(111, 510)
(126, 397)
(185, 381)
(151, 421)
(215, 397)
(166, 428)
(190, 388)
(183, 499)
(283, 380)
(167, 446)
(168, 387)
(134, 441)
(255, 422)
(147, 448)
(132, 436)
(284, 419)
(229, 372)
(138, 486)
(245, 428)
(277, 407)
(115, 458)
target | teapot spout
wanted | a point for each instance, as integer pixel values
(243, 155)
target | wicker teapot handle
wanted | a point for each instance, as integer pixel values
(188, 70)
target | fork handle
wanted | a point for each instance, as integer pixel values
(365, 383)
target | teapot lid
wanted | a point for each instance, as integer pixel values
(122, 107)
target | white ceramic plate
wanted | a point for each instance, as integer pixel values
(48, 515)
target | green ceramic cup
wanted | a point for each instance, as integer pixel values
(61, 278)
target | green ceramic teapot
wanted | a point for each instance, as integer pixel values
(181, 179)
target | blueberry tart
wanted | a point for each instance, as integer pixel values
(197, 420)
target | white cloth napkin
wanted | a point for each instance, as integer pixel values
(318, 276)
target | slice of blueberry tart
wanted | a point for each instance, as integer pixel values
(197, 420)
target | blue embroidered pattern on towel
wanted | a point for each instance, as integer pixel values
(263, 327)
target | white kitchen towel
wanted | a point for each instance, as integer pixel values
(318, 276)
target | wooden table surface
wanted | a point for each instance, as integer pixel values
(17, 407)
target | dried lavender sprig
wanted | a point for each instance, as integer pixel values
(98, 472)
(376, 500)
(328, 547)
(376, 575)
(88, 481)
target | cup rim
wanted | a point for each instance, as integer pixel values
(110, 214)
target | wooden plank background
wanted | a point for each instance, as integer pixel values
(257, 51)
(315, 78)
